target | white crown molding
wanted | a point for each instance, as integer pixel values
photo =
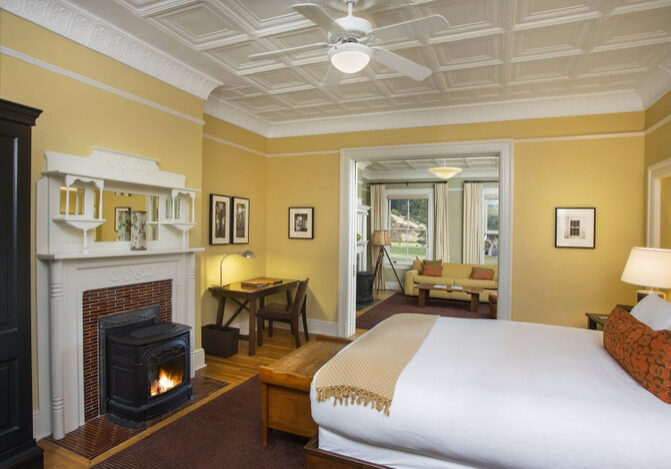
(657, 84)
(82, 27)
(233, 114)
(560, 106)
(585, 104)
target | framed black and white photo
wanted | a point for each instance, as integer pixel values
(240, 220)
(220, 214)
(575, 227)
(121, 218)
(301, 223)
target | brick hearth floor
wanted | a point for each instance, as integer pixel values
(100, 434)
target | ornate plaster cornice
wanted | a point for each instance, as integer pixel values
(70, 21)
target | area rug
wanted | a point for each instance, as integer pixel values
(101, 434)
(224, 433)
(399, 303)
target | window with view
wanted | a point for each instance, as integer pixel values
(491, 225)
(409, 225)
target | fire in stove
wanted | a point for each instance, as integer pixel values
(166, 381)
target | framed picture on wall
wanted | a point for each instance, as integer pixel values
(240, 220)
(301, 223)
(575, 227)
(220, 219)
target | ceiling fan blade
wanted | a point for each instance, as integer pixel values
(401, 64)
(273, 53)
(332, 78)
(411, 28)
(317, 15)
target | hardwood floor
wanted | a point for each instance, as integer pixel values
(234, 370)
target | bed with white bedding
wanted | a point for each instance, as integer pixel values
(495, 394)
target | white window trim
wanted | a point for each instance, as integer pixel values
(401, 193)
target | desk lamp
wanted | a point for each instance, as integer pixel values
(246, 254)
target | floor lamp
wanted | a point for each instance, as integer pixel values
(381, 239)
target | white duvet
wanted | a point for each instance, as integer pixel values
(498, 394)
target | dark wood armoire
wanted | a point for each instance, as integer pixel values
(17, 445)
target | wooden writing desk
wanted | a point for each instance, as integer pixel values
(246, 299)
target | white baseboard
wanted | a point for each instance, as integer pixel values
(41, 427)
(197, 360)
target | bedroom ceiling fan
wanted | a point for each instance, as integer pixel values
(350, 40)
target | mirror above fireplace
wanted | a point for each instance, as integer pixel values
(87, 199)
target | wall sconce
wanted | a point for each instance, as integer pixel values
(246, 254)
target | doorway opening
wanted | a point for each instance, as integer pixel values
(409, 215)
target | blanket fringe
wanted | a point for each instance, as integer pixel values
(345, 395)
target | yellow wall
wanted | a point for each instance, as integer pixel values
(78, 116)
(558, 286)
(658, 141)
(306, 182)
(567, 170)
(229, 170)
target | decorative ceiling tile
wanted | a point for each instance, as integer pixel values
(552, 40)
(539, 12)
(198, 24)
(494, 51)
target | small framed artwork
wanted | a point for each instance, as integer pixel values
(575, 227)
(220, 214)
(121, 218)
(301, 223)
(240, 220)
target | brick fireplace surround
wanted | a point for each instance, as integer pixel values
(105, 301)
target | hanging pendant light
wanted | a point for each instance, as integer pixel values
(444, 172)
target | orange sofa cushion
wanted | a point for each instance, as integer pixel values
(644, 353)
(482, 274)
(433, 270)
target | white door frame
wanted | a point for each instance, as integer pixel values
(656, 173)
(347, 252)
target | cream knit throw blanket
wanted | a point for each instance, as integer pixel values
(367, 371)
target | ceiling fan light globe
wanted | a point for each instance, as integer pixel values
(349, 57)
(444, 172)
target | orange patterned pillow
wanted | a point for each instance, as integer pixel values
(644, 353)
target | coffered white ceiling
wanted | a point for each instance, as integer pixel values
(500, 59)
(485, 166)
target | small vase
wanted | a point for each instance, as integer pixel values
(138, 233)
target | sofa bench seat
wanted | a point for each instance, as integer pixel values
(453, 274)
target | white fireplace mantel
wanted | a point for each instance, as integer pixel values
(64, 272)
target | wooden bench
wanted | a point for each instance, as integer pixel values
(286, 387)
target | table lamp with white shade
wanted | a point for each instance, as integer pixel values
(648, 267)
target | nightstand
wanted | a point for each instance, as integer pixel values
(594, 320)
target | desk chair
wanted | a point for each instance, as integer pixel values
(285, 313)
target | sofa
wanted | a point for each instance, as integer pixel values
(452, 274)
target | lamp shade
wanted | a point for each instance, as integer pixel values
(444, 172)
(349, 57)
(381, 238)
(649, 267)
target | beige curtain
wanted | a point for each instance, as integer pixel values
(442, 232)
(378, 221)
(473, 239)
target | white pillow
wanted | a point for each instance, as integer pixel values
(654, 312)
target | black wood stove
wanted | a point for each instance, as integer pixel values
(148, 372)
